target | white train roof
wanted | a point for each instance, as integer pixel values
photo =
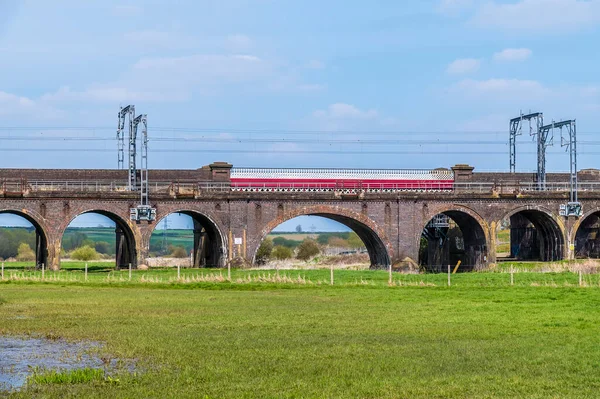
(341, 174)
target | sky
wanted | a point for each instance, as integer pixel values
(275, 83)
(178, 221)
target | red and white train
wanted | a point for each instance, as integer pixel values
(324, 179)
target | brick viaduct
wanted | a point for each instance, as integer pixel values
(390, 224)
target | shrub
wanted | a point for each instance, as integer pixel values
(337, 242)
(25, 253)
(280, 252)
(307, 249)
(323, 238)
(284, 242)
(354, 241)
(84, 253)
(103, 247)
(264, 251)
(179, 252)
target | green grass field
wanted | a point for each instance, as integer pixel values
(360, 338)
(503, 241)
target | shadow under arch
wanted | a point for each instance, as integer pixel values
(445, 246)
(367, 231)
(209, 242)
(586, 236)
(41, 238)
(125, 244)
(535, 234)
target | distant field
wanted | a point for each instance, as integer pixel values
(178, 238)
(174, 237)
(293, 236)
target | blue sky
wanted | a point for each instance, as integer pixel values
(431, 71)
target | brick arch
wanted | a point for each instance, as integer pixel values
(555, 237)
(218, 240)
(129, 237)
(378, 245)
(43, 233)
(475, 230)
(579, 221)
(575, 230)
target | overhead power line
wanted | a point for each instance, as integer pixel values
(222, 130)
(278, 140)
(253, 151)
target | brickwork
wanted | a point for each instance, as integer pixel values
(389, 223)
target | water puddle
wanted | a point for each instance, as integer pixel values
(19, 357)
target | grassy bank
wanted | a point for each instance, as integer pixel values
(479, 338)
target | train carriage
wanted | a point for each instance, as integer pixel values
(326, 179)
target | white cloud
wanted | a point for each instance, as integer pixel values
(126, 10)
(463, 66)
(175, 79)
(453, 7)
(553, 16)
(343, 116)
(512, 54)
(501, 87)
(308, 87)
(239, 42)
(590, 91)
(202, 71)
(12, 105)
(152, 38)
(111, 94)
(315, 64)
(13, 101)
(345, 111)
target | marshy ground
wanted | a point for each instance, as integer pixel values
(291, 334)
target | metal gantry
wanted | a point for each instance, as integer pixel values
(515, 130)
(134, 183)
(574, 206)
(144, 163)
(544, 133)
(125, 113)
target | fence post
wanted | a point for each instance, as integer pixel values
(130, 272)
(390, 274)
(449, 276)
(178, 271)
(512, 275)
(331, 274)
(43, 271)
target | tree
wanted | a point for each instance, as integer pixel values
(323, 238)
(284, 242)
(25, 253)
(281, 253)
(337, 242)
(179, 252)
(74, 239)
(299, 228)
(354, 241)
(84, 253)
(264, 251)
(102, 247)
(307, 249)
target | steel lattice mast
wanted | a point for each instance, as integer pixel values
(515, 130)
(125, 113)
